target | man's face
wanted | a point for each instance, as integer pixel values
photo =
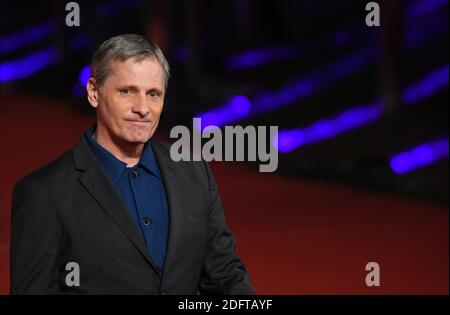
(130, 101)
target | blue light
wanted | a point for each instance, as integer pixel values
(26, 37)
(84, 76)
(352, 118)
(253, 58)
(79, 88)
(420, 156)
(288, 140)
(22, 68)
(432, 83)
(238, 106)
(299, 89)
(358, 116)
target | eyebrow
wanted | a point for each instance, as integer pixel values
(134, 87)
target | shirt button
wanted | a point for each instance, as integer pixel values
(134, 174)
(146, 221)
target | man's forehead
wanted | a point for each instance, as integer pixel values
(132, 69)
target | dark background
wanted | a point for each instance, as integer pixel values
(363, 170)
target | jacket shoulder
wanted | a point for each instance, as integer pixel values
(53, 171)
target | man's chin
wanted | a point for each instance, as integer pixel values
(136, 138)
(129, 140)
(138, 141)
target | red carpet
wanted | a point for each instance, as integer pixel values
(296, 237)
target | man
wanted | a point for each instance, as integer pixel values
(115, 214)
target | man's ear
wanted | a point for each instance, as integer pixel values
(92, 92)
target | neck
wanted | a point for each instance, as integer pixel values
(127, 152)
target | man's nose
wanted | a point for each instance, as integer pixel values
(140, 107)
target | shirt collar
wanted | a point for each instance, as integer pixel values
(148, 160)
(113, 166)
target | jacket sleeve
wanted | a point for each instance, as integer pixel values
(223, 271)
(34, 247)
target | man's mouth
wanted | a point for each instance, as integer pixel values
(138, 122)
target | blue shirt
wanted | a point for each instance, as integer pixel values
(142, 191)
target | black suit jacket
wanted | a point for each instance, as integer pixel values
(68, 211)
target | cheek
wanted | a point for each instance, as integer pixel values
(111, 112)
(116, 107)
(156, 109)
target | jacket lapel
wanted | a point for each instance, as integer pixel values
(170, 179)
(98, 185)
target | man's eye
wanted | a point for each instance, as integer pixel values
(153, 93)
(125, 91)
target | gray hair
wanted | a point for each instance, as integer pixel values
(123, 47)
